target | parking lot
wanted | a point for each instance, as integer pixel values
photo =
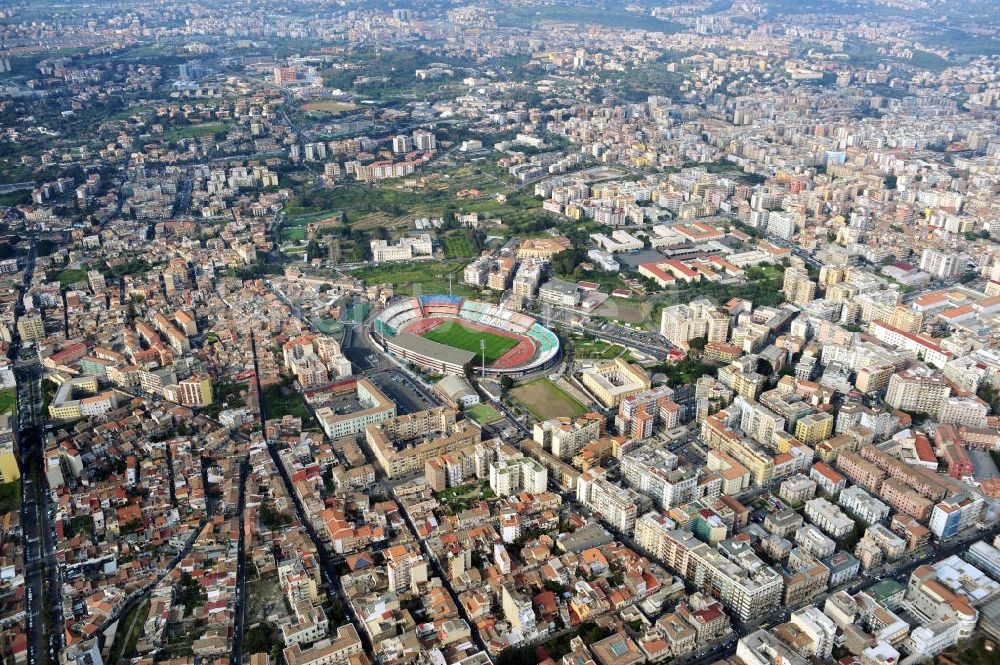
(409, 398)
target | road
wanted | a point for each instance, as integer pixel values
(16, 186)
(331, 579)
(44, 602)
(239, 610)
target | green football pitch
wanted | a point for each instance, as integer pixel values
(455, 334)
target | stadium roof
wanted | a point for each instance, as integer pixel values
(432, 349)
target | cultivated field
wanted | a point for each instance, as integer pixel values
(546, 400)
(459, 336)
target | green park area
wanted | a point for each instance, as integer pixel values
(71, 276)
(194, 131)
(546, 400)
(128, 631)
(464, 497)
(8, 400)
(417, 277)
(391, 203)
(10, 497)
(281, 399)
(596, 349)
(463, 337)
(458, 247)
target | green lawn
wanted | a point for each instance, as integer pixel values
(72, 276)
(8, 399)
(483, 414)
(461, 337)
(546, 400)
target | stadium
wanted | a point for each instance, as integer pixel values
(443, 333)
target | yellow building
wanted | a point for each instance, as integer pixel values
(720, 437)
(814, 428)
(31, 327)
(196, 391)
(907, 320)
(9, 471)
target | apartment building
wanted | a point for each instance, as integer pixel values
(720, 436)
(905, 500)
(863, 505)
(827, 480)
(564, 436)
(652, 533)
(737, 577)
(797, 287)
(340, 649)
(860, 471)
(828, 517)
(804, 577)
(956, 513)
(918, 391)
(814, 541)
(618, 506)
(653, 471)
(510, 476)
(814, 428)
(679, 324)
(940, 264)
(402, 444)
(820, 629)
(758, 421)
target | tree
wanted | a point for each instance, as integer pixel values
(469, 369)
(697, 344)
(890, 182)
(506, 383)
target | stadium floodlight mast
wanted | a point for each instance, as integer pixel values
(482, 348)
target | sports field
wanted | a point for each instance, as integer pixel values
(546, 400)
(456, 335)
(483, 413)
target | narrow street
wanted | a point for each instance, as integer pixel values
(332, 581)
(239, 610)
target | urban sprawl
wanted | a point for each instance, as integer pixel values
(472, 333)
